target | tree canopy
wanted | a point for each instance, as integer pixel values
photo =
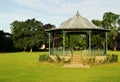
(110, 21)
(6, 43)
(27, 34)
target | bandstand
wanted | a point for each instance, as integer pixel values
(76, 25)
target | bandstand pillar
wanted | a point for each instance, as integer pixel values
(64, 42)
(49, 43)
(106, 43)
(89, 50)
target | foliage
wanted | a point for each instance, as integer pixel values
(6, 43)
(43, 57)
(76, 41)
(98, 40)
(58, 58)
(49, 26)
(110, 21)
(27, 34)
(46, 27)
(97, 22)
(112, 58)
(62, 59)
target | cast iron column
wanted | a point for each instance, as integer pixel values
(89, 51)
(49, 43)
(106, 45)
(63, 42)
(53, 44)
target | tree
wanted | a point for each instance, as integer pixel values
(46, 27)
(6, 43)
(76, 41)
(97, 22)
(27, 34)
(2, 39)
(110, 21)
(98, 40)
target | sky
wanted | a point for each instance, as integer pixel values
(53, 11)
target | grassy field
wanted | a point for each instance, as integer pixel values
(25, 67)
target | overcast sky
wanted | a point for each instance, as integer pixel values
(53, 11)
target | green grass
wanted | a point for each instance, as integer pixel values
(25, 67)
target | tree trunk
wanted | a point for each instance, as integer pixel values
(114, 48)
(24, 49)
(30, 49)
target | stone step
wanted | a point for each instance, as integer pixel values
(76, 66)
(76, 60)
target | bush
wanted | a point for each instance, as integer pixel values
(114, 58)
(61, 59)
(91, 60)
(43, 57)
(58, 58)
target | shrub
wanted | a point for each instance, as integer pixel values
(62, 59)
(66, 61)
(114, 58)
(43, 57)
(58, 58)
(91, 60)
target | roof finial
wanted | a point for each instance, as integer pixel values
(77, 13)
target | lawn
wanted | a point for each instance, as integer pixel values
(25, 67)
